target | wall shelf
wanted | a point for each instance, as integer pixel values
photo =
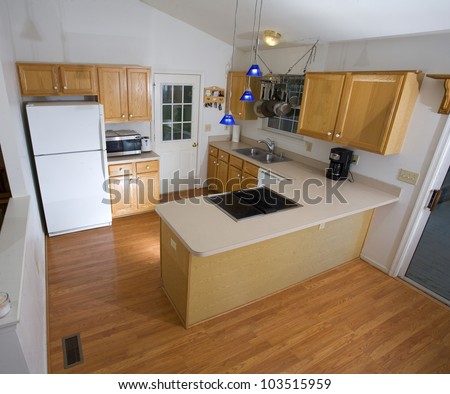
(445, 105)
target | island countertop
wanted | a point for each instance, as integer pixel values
(205, 230)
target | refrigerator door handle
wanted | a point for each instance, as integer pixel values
(103, 143)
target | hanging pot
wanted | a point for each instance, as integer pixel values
(282, 108)
(257, 108)
(267, 107)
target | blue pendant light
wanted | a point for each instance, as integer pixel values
(254, 70)
(247, 96)
(228, 119)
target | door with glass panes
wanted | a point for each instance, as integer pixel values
(177, 99)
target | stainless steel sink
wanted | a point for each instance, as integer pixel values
(260, 155)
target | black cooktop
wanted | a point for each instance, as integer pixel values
(246, 203)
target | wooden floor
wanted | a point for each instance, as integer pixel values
(105, 284)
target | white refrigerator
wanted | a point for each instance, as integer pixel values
(69, 148)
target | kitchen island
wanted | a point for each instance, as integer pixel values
(211, 264)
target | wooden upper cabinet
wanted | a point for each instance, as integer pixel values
(239, 83)
(112, 83)
(125, 93)
(138, 85)
(320, 104)
(365, 110)
(78, 79)
(38, 79)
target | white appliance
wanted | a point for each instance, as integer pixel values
(69, 149)
(145, 144)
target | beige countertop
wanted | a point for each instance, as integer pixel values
(205, 230)
(144, 156)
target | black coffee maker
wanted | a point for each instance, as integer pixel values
(340, 160)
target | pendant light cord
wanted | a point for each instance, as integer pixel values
(232, 53)
(253, 32)
(259, 28)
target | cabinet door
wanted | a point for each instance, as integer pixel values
(212, 172)
(222, 175)
(113, 93)
(123, 195)
(147, 191)
(38, 79)
(367, 110)
(249, 181)
(138, 86)
(320, 103)
(234, 178)
(239, 83)
(78, 80)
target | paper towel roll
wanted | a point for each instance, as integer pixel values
(236, 133)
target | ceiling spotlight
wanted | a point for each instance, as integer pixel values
(271, 37)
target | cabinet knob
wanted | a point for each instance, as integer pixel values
(329, 133)
(147, 167)
(123, 115)
(338, 135)
(65, 87)
(55, 87)
(120, 169)
(130, 116)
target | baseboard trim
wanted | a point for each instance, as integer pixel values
(374, 263)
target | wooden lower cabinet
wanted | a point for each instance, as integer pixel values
(134, 187)
(246, 274)
(227, 172)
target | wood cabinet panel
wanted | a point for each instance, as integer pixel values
(38, 79)
(222, 175)
(365, 110)
(238, 81)
(234, 181)
(138, 87)
(78, 79)
(113, 93)
(212, 172)
(134, 187)
(320, 104)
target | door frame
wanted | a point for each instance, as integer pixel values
(433, 180)
(200, 112)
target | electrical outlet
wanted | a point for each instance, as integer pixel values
(308, 146)
(408, 176)
(355, 159)
(207, 127)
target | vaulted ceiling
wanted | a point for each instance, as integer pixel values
(303, 22)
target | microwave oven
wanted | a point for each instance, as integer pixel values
(122, 142)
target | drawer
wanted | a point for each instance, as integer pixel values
(251, 169)
(147, 166)
(213, 151)
(120, 169)
(224, 156)
(236, 162)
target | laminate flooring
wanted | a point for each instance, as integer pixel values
(105, 285)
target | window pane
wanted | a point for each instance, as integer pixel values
(167, 113)
(167, 93)
(167, 132)
(178, 94)
(286, 125)
(177, 113)
(187, 113)
(186, 131)
(273, 122)
(188, 94)
(177, 131)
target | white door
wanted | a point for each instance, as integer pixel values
(177, 100)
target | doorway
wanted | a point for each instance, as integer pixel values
(423, 256)
(430, 264)
(177, 101)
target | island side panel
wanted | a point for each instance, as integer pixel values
(174, 270)
(228, 280)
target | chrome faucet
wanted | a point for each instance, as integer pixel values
(269, 143)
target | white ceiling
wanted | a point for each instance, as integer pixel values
(304, 21)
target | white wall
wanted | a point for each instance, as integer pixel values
(32, 336)
(121, 32)
(429, 53)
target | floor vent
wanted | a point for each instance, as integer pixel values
(73, 355)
